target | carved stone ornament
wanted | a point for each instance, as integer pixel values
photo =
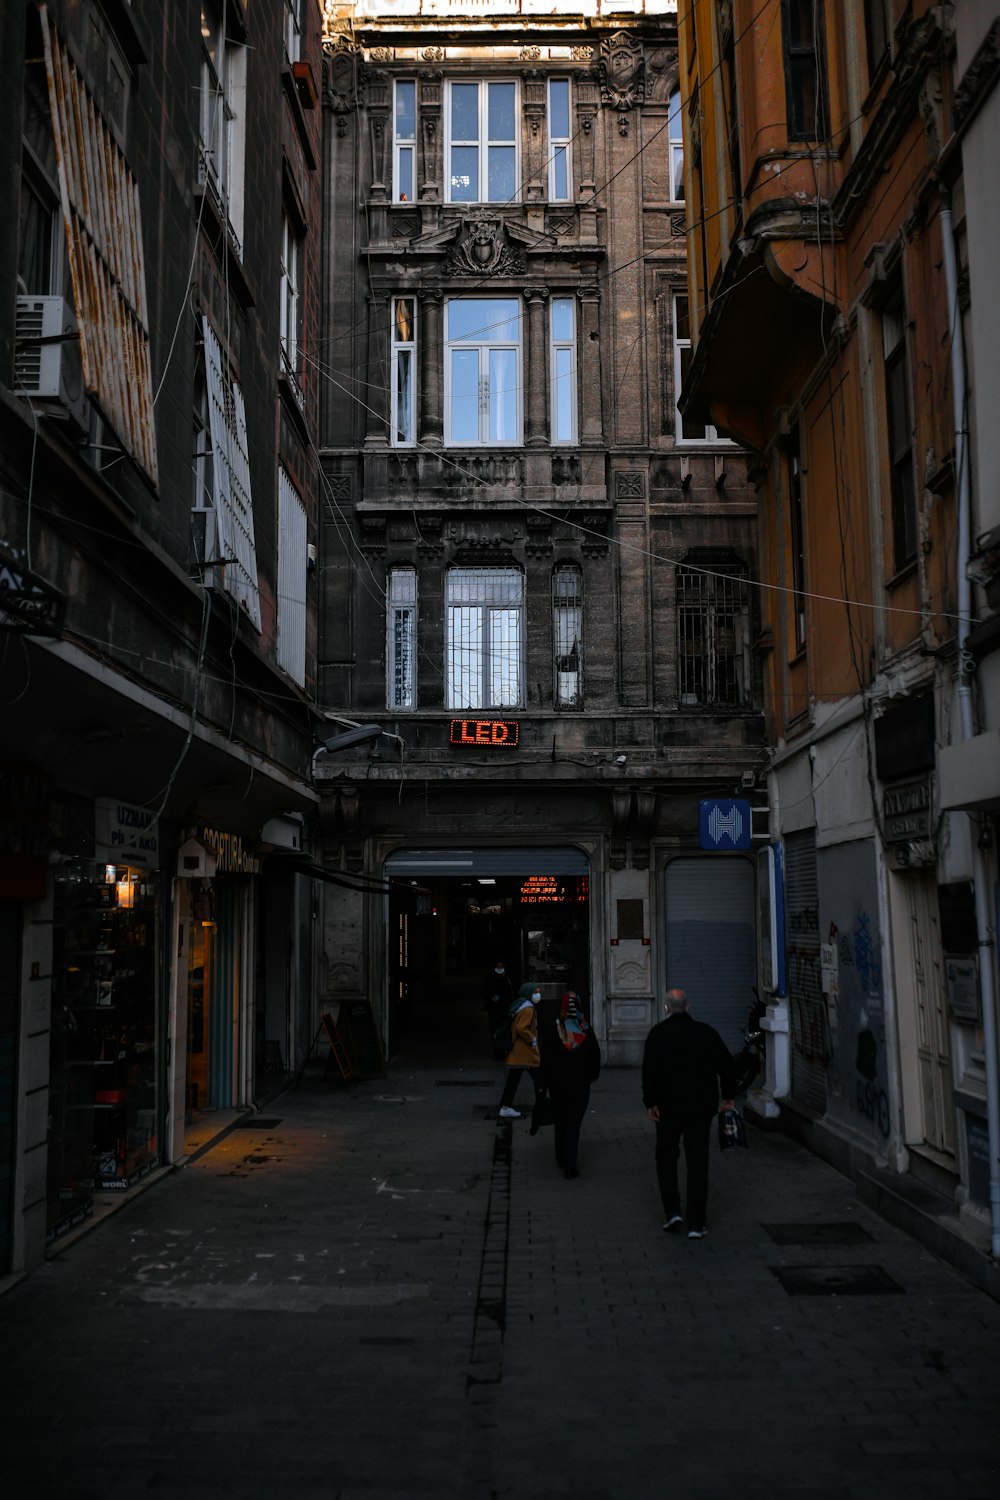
(483, 251)
(980, 76)
(530, 54)
(583, 54)
(341, 94)
(433, 54)
(623, 75)
(382, 54)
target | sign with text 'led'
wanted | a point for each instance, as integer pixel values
(493, 734)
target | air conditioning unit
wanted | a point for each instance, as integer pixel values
(47, 362)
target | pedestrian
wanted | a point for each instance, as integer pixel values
(498, 997)
(523, 1056)
(571, 1061)
(683, 1064)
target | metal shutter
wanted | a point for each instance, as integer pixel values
(810, 1033)
(712, 940)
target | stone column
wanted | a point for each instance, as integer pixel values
(589, 356)
(429, 126)
(431, 392)
(376, 397)
(536, 426)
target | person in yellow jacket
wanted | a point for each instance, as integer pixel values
(523, 1055)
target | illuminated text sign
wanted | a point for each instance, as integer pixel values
(491, 733)
(544, 890)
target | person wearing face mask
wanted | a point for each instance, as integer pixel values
(523, 1056)
(498, 997)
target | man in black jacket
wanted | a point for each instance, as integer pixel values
(683, 1064)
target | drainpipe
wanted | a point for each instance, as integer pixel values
(980, 870)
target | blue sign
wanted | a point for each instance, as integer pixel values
(724, 824)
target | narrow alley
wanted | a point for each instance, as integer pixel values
(382, 1292)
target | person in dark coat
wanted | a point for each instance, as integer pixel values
(498, 997)
(683, 1064)
(570, 1063)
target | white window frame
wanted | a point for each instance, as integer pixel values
(560, 143)
(680, 347)
(567, 636)
(293, 572)
(675, 148)
(401, 639)
(404, 422)
(293, 30)
(222, 118)
(483, 141)
(477, 656)
(291, 300)
(403, 144)
(484, 347)
(559, 348)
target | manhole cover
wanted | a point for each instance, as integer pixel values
(463, 1083)
(256, 1124)
(818, 1234)
(835, 1281)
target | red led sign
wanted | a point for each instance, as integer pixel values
(491, 734)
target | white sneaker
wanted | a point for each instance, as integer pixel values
(510, 1114)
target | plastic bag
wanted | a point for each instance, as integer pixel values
(732, 1131)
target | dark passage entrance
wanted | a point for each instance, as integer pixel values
(447, 927)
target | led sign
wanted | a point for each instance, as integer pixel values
(489, 733)
(545, 890)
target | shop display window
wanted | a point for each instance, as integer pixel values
(103, 1075)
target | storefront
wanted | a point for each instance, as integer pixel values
(105, 1088)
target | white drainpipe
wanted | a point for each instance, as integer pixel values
(980, 870)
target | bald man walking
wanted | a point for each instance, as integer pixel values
(683, 1064)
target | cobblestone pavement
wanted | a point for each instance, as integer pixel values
(386, 1294)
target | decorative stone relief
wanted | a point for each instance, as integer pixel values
(382, 54)
(629, 485)
(340, 486)
(530, 54)
(561, 225)
(678, 226)
(595, 536)
(404, 228)
(566, 468)
(583, 54)
(623, 75)
(484, 250)
(373, 538)
(433, 54)
(341, 93)
(980, 76)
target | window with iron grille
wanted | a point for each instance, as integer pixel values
(713, 632)
(567, 635)
(485, 635)
(401, 641)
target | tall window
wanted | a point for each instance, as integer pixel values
(293, 570)
(481, 162)
(404, 140)
(293, 30)
(291, 301)
(223, 100)
(567, 636)
(805, 69)
(797, 538)
(686, 431)
(560, 172)
(483, 370)
(563, 369)
(876, 34)
(899, 425)
(713, 631)
(675, 133)
(401, 645)
(404, 355)
(485, 610)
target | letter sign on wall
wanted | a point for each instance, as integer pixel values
(488, 734)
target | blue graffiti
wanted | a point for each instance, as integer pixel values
(873, 1102)
(865, 957)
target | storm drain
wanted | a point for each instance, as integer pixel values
(256, 1124)
(836, 1281)
(846, 1233)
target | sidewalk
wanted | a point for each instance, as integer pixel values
(386, 1294)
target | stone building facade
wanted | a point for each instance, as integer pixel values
(536, 582)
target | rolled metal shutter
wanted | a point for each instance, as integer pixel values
(712, 939)
(810, 1032)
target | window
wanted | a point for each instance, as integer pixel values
(293, 30)
(482, 143)
(560, 170)
(796, 537)
(39, 240)
(291, 301)
(899, 425)
(403, 372)
(222, 128)
(805, 69)
(293, 570)
(686, 432)
(563, 370)
(483, 370)
(228, 473)
(713, 631)
(567, 635)
(876, 34)
(675, 133)
(401, 645)
(404, 140)
(484, 638)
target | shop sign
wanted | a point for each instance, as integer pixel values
(547, 890)
(28, 605)
(491, 734)
(231, 856)
(125, 835)
(962, 981)
(906, 811)
(725, 823)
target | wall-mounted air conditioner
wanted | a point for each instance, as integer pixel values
(47, 363)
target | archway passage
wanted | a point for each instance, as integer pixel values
(452, 915)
